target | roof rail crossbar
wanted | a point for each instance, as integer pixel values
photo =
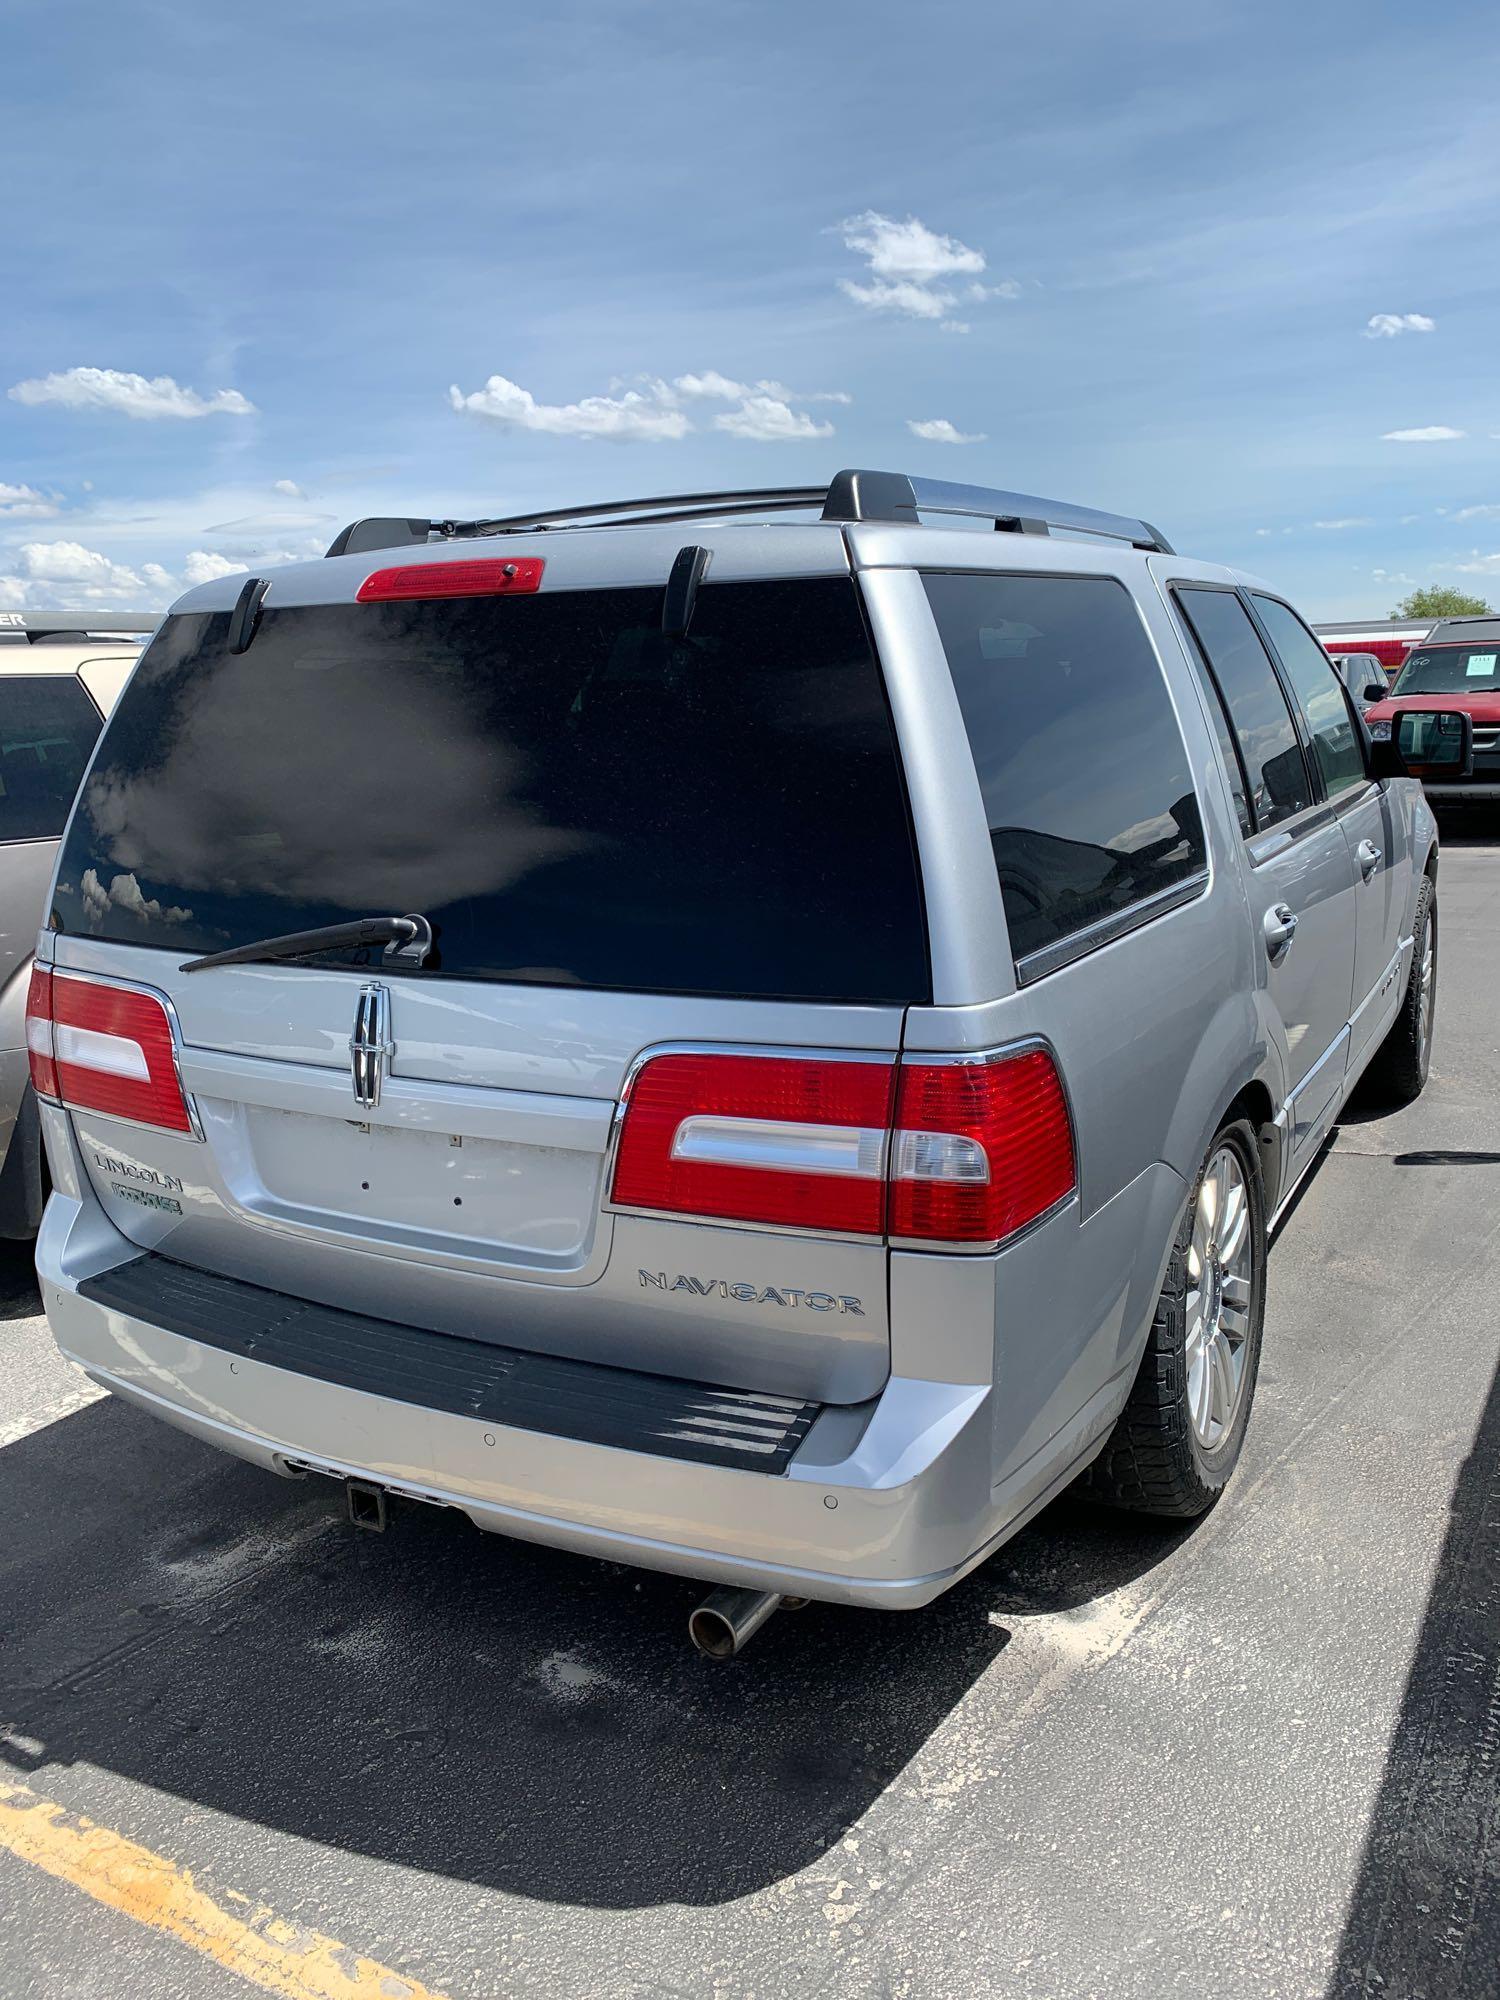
(379, 533)
(892, 496)
(849, 496)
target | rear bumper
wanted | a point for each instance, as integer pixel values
(879, 1506)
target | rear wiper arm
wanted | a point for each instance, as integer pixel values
(408, 939)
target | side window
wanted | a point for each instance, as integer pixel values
(48, 727)
(1335, 741)
(1079, 755)
(1263, 724)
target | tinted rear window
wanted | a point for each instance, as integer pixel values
(48, 728)
(569, 797)
(1080, 758)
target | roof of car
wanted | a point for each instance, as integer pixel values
(862, 519)
(1464, 631)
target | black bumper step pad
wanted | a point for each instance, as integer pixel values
(658, 1414)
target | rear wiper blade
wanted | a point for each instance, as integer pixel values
(407, 939)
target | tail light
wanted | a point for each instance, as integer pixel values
(104, 1048)
(941, 1152)
(981, 1148)
(513, 576)
(778, 1139)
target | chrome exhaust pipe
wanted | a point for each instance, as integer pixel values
(726, 1622)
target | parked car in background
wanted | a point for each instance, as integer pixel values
(1389, 639)
(1363, 675)
(59, 676)
(762, 1051)
(1457, 666)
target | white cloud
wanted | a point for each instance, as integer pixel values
(912, 269)
(712, 384)
(1488, 512)
(632, 416)
(908, 249)
(1386, 326)
(1428, 434)
(288, 489)
(651, 409)
(71, 562)
(904, 296)
(129, 395)
(938, 430)
(67, 576)
(24, 503)
(204, 565)
(126, 893)
(1349, 521)
(770, 421)
(1479, 566)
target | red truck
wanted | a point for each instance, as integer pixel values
(1457, 666)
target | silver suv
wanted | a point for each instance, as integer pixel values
(762, 1056)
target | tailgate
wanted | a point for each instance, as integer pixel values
(621, 843)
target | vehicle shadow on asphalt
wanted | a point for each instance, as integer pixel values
(1425, 1914)
(455, 1702)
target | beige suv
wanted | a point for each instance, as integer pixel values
(60, 674)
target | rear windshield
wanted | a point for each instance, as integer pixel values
(568, 796)
(1451, 670)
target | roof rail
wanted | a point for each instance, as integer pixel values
(849, 496)
(28, 627)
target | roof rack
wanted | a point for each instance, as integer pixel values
(27, 628)
(849, 496)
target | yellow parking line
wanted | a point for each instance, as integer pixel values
(281, 1957)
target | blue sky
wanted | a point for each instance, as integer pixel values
(1132, 253)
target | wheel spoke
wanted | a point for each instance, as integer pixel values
(1234, 1321)
(1236, 1291)
(1223, 1374)
(1236, 1226)
(1202, 1393)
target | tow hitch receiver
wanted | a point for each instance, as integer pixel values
(366, 1505)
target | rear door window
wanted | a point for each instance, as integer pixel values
(48, 728)
(1325, 704)
(569, 796)
(1080, 758)
(1246, 680)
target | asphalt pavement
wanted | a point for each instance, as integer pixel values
(1257, 1757)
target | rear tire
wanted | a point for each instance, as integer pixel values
(1179, 1436)
(1399, 1067)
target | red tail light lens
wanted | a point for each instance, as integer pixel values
(981, 1148)
(39, 1032)
(776, 1139)
(513, 576)
(104, 1048)
(939, 1152)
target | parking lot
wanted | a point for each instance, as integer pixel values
(1257, 1758)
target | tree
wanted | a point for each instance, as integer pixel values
(1440, 600)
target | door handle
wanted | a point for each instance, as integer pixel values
(1280, 927)
(1369, 857)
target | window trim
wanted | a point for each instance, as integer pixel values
(1339, 804)
(1119, 923)
(1048, 958)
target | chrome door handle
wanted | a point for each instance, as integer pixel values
(1369, 857)
(1280, 928)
